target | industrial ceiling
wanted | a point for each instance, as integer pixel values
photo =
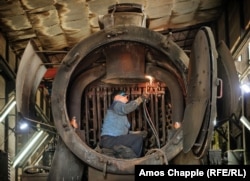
(57, 25)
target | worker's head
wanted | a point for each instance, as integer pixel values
(119, 95)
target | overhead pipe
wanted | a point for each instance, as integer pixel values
(7, 108)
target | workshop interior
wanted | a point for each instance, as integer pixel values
(61, 61)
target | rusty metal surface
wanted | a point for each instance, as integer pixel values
(29, 75)
(82, 58)
(71, 169)
(229, 103)
(125, 14)
(202, 93)
(125, 63)
(205, 135)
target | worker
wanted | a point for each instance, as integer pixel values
(115, 133)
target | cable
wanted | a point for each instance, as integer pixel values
(151, 124)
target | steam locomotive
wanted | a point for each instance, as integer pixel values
(195, 89)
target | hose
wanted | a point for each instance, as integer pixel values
(150, 122)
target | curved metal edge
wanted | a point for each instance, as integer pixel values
(197, 126)
(73, 142)
(229, 103)
(30, 73)
(198, 90)
(208, 127)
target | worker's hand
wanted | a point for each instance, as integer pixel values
(144, 97)
(139, 100)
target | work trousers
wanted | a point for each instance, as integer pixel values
(133, 141)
